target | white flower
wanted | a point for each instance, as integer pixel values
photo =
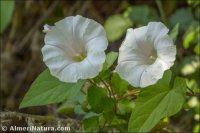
(145, 54)
(47, 28)
(74, 48)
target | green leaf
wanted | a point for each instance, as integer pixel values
(6, 8)
(196, 128)
(110, 59)
(109, 106)
(78, 110)
(96, 98)
(125, 106)
(120, 86)
(68, 106)
(193, 3)
(90, 114)
(108, 115)
(104, 75)
(120, 124)
(191, 36)
(116, 26)
(197, 12)
(174, 32)
(141, 14)
(115, 123)
(106, 72)
(91, 124)
(178, 17)
(156, 102)
(188, 39)
(197, 48)
(47, 89)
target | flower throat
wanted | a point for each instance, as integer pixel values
(80, 57)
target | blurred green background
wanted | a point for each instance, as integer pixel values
(22, 38)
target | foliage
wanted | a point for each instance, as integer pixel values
(116, 31)
(174, 32)
(6, 9)
(148, 14)
(47, 89)
(91, 124)
(156, 102)
(119, 86)
(178, 15)
(110, 59)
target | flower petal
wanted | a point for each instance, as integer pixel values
(129, 54)
(94, 30)
(99, 43)
(153, 73)
(141, 39)
(129, 41)
(57, 39)
(86, 33)
(166, 50)
(91, 65)
(96, 58)
(156, 30)
(69, 73)
(131, 72)
(137, 40)
(71, 30)
(47, 28)
(57, 61)
(134, 47)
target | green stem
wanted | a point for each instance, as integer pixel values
(190, 90)
(83, 92)
(92, 82)
(113, 97)
(111, 88)
(160, 7)
(110, 91)
(191, 93)
(104, 125)
(107, 87)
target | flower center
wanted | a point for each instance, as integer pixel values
(80, 57)
(152, 57)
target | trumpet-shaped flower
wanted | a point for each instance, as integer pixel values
(74, 48)
(145, 54)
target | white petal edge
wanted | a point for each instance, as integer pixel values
(56, 61)
(85, 30)
(68, 71)
(156, 30)
(166, 50)
(72, 34)
(98, 44)
(131, 72)
(47, 28)
(91, 65)
(153, 73)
